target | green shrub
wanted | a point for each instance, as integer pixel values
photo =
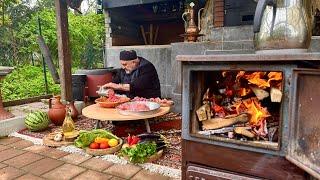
(27, 81)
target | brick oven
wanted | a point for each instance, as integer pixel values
(250, 116)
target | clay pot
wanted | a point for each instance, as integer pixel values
(74, 111)
(57, 110)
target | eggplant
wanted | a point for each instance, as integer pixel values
(149, 135)
(160, 147)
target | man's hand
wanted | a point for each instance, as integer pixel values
(121, 87)
(112, 86)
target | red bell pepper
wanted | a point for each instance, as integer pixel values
(135, 140)
(129, 139)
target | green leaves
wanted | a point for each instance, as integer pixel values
(26, 81)
(86, 34)
(140, 153)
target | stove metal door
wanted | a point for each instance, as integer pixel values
(304, 127)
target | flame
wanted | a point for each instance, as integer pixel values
(255, 78)
(244, 91)
(257, 112)
(275, 76)
(239, 107)
(240, 75)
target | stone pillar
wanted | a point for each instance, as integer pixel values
(108, 38)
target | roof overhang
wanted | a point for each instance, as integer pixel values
(108, 4)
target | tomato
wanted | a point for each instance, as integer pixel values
(94, 145)
(104, 145)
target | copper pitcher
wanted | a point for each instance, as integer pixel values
(191, 29)
(57, 110)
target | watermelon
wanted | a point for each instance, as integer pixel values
(37, 121)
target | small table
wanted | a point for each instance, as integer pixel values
(111, 114)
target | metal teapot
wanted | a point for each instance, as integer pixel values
(282, 25)
(191, 29)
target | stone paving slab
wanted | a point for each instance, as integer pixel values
(66, 171)
(23, 160)
(37, 149)
(35, 162)
(90, 174)
(10, 173)
(29, 177)
(6, 141)
(54, 153)
(124, 171)
(96, 164)
(143, 174)
(2, 165)
(21, 144)
(10, 153)
(42, 166)
(117, 178)
(74, 158)
(3, 147)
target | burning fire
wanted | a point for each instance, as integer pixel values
(257, 112)
(239, 93)
(255, 78)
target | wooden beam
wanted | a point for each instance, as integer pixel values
(64, 49)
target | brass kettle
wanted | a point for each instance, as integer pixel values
(282, 25)
(191, 29)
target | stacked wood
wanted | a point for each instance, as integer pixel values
(216, 123)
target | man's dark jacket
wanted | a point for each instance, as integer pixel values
(144, 81)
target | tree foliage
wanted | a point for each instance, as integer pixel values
(26, 81)
(19, 28)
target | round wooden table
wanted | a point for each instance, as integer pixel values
(111, 114)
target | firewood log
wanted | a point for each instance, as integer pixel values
(204, 112)
(276, 95)
(216, 123)
(260, 93)
(244, 131)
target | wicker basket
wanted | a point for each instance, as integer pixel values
(101, 152)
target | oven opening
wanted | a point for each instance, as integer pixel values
(242, 107)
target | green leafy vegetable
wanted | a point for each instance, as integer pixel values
(86, 137)
(140, 153)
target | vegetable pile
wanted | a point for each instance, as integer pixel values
(96, 139)
(139, 148)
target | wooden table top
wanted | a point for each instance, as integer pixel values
(111, 114)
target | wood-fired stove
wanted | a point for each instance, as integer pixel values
(293, 154)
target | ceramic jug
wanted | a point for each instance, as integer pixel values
(74, 111)
(282, 25)
(57, 110)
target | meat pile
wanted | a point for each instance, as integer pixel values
(162, 102)
(112, 97)
(137, 107)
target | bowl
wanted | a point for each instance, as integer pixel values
(102, 101)
(101, 152)
(153, 108)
